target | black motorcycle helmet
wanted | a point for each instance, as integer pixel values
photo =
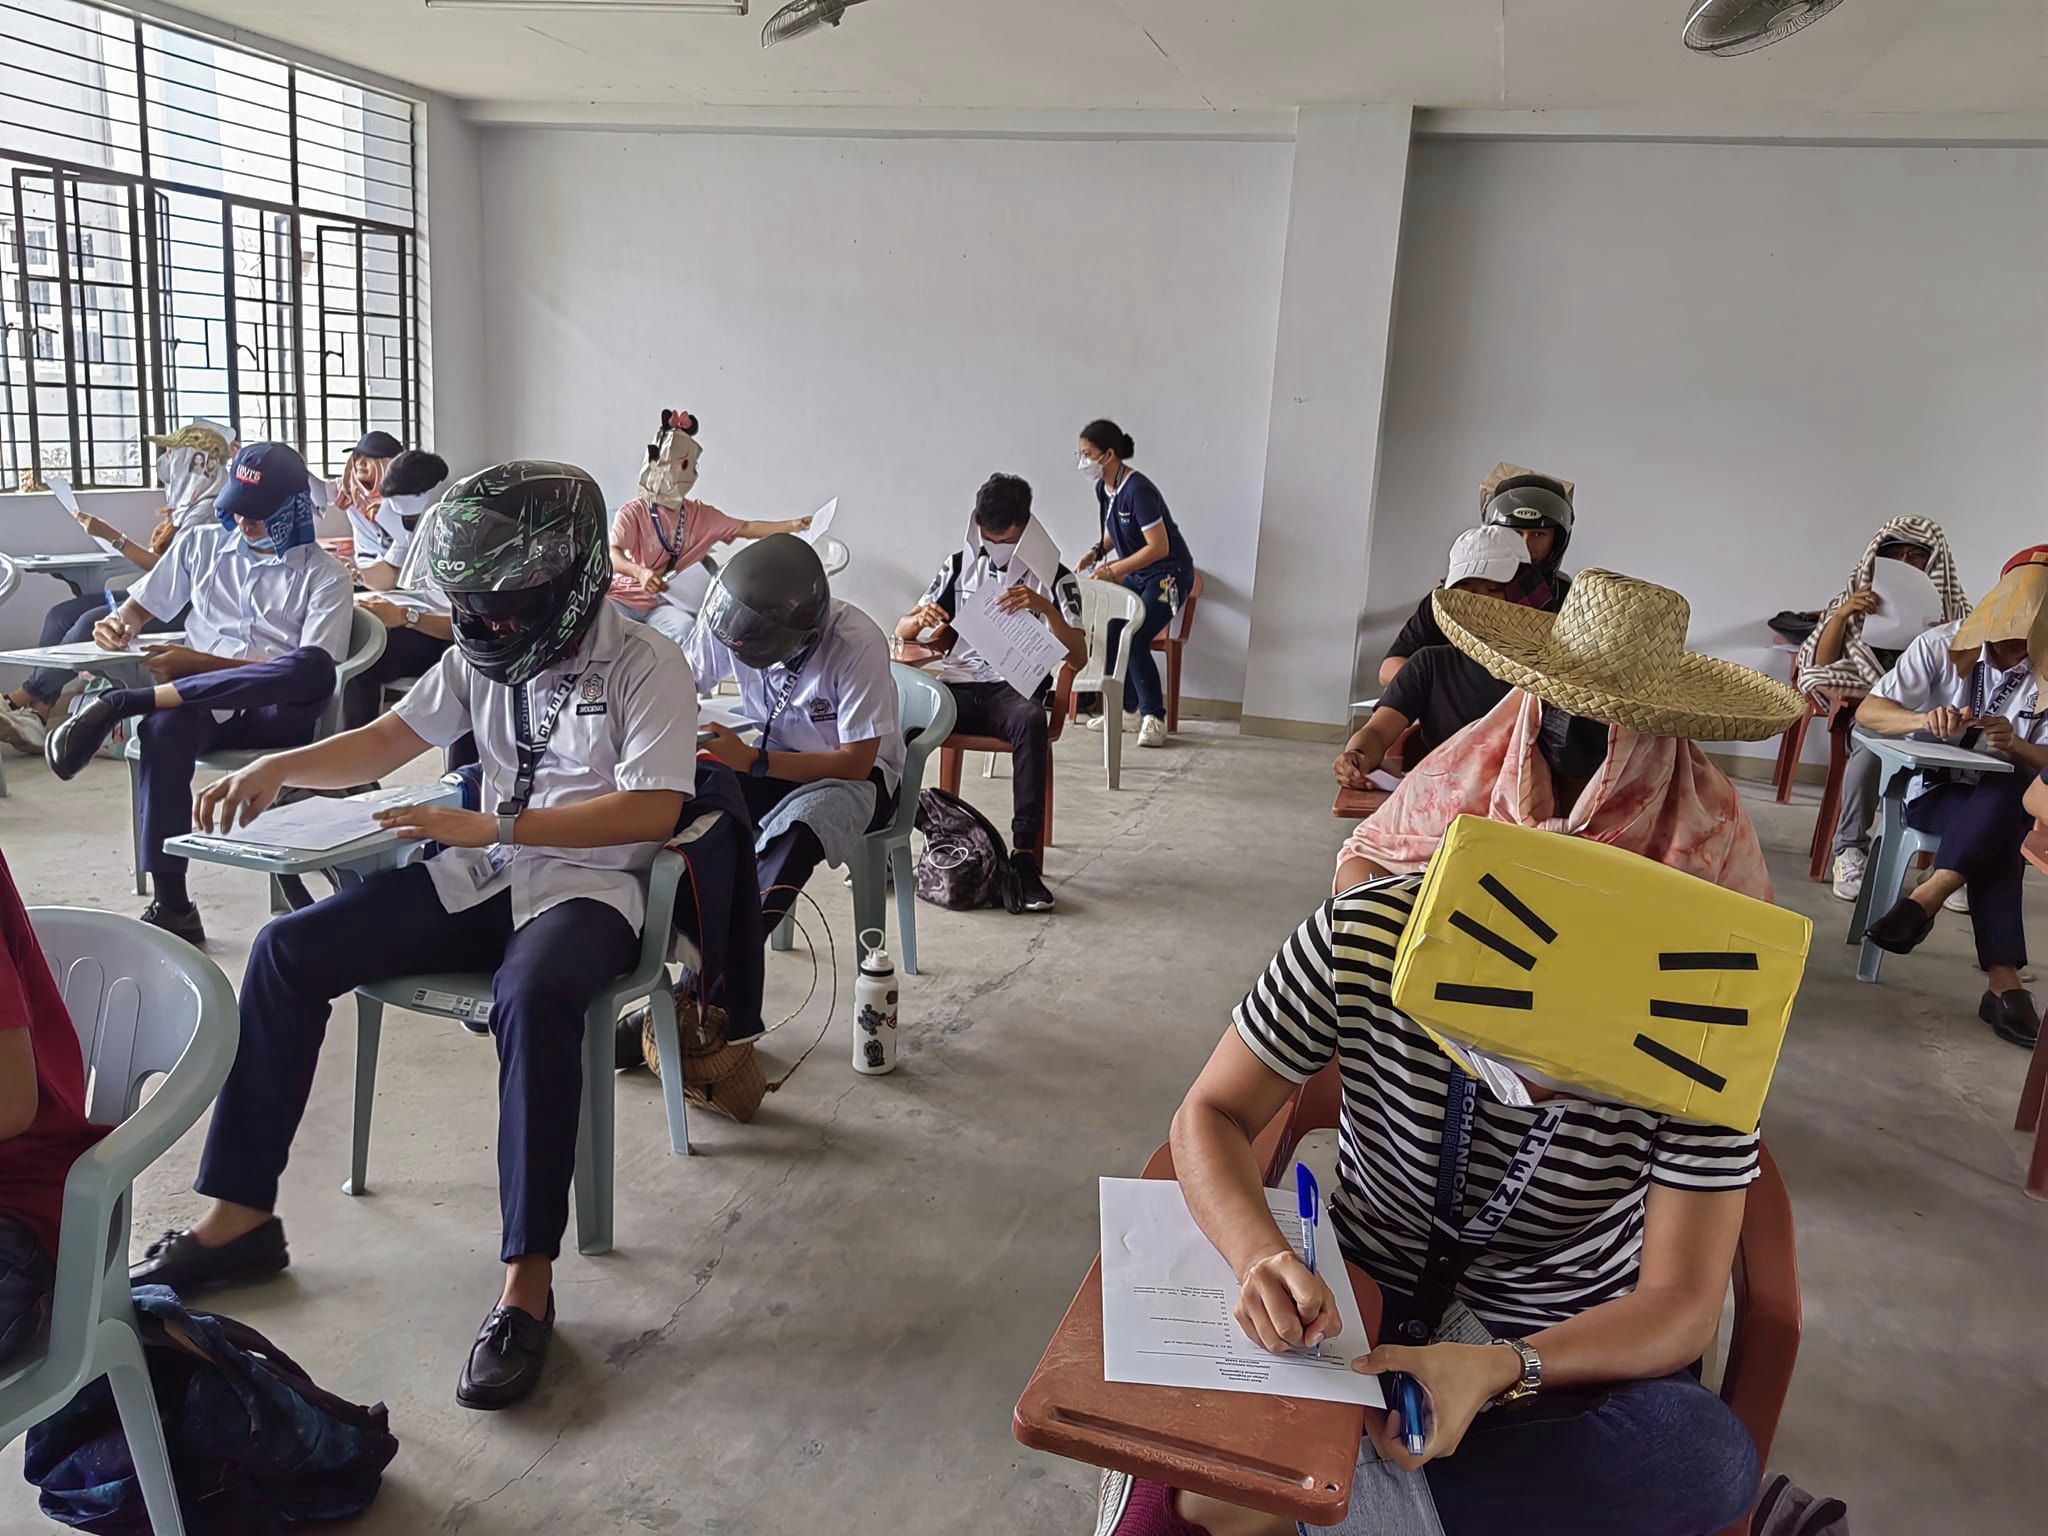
(1532, 501)
(519, 549)
(770, 601)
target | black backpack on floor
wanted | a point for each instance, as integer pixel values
(966, 863)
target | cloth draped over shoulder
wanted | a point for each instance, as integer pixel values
(1859, 666)
(1659, 796)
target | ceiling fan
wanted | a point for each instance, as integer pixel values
(801, 16)
(1727, 27)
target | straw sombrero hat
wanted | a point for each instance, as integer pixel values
(1616, 652)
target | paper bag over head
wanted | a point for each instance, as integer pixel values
(2015, 609)
(1600, 969)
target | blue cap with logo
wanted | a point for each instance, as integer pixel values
(268, 483)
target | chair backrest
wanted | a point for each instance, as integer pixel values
(1102, 604)
(366, 638)
(926, 709)
(10, 577)
(833, 555)
(1183, 623)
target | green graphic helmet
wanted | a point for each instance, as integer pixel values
(519, 549)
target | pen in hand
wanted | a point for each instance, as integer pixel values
(1409, 1399)
(1309, 1203)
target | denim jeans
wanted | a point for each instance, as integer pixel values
(1639, 1458)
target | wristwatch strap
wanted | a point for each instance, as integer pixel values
(508, 828)
(1532, 1372)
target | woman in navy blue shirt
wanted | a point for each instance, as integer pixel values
(1141, 546)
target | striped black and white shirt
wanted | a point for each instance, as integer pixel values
(1576, 1238)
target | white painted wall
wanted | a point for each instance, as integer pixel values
(452, 303)
(1746, 356)
(889, 320)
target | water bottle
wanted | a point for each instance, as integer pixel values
(874, 1009)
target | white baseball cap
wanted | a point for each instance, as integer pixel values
(1491, 554)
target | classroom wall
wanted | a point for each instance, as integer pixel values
(1746, 356)
(889, 320)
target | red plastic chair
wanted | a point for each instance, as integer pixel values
(1173, 640)
(952, 754)
(1793, 743)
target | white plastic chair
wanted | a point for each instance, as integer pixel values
(1102, 604)
(366, 637)
(10, 578)
(453, 995)
(143, 1003)
(833, 554)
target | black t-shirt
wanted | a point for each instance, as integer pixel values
(1443, 690)
(1422, 628)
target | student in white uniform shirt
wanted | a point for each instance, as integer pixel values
(419, 627)
(587, 729)
(815, 672)
(361, 486)
(1975, 681)
(269, 621)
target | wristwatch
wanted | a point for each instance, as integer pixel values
(508, 823)
(758, 768)
(412, 615)
(1532, 1373)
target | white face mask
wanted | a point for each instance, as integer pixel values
(410, 504)
(1092, 468)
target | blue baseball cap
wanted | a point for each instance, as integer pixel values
(262, 481)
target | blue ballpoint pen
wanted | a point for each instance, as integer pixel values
(1408, 1391)
(1308, 1201)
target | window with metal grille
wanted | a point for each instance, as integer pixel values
(191, 229)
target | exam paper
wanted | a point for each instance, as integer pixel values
(1907, 604)
(821, 521)
(86, 654)
(67, 498)
(722, 712)
(1020, 646)
(320, 823)
(1167, 1297)
(1943, 754)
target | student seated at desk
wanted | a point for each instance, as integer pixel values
(663, 531)
(1536, 506)
(587, 730)
(43, 1127)
(1834, 656)
(361, 486)
(419, 624)
(269, 621)
(1555, 1339)
(815, 673)
(191, 467)
(1976, 682)
(987, 704)
(1440, 689)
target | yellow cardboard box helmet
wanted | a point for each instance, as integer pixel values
(1591, 968)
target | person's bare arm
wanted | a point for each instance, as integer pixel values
(19, 1097)
(378, 575)
(851, 760)
(1391, 669)
(340, 762)
(1369, 746)
(753, 528)
(1155, 548)
(2036, 800)
(1888, 718)
(615, 820)
(1282, 1304)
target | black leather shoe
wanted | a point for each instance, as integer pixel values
(1032, 894)
(1902, 928)
(627, 1052)
(182, 921)
(504, 1363)
(186, 1265)
(83, 732)
(2011, 1016)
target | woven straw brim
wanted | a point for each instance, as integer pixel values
(1702, 699)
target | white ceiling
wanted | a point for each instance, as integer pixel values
(1870, 56)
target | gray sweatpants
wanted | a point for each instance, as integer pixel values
(1859, 803)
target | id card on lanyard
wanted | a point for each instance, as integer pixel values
(1456, 1241)
(531, 745)
(792, 678)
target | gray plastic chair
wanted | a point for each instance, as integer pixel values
(366, 639)
(10, 578)
(926, 707)
(143, 1003)
(1103, 603)
(467, 996)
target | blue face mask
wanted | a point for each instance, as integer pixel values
(285, 529)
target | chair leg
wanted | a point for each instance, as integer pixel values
(135, 1400)
(906, 905)
(870, 894)
(2036, 1086)
(1791, 747)
(1113, 756)
(669, 1044)
(594, 1129)
(1173, 650)
(1045, 832)
(949, 769)
(135, 823)
(784, 936)
(1883, 879)
(369, 1033)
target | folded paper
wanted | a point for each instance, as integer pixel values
(1597, 969)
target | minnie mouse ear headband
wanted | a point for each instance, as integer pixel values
(684, 422)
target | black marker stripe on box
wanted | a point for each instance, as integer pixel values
(1708, 960)
(1663, 1055)
(1493, 941)
(1485, 997)
(1516, 905)
(1697, 1013)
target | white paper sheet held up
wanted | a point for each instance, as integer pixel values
(821, 520)
(1020, 646)
(318, 824)
(1037, 552)
(68, 500)
(1167, 1296)
(1907, 603)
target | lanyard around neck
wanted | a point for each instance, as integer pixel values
(532, 744)
(1460, 1101)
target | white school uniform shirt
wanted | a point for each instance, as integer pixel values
(843, 693)
(1926, 677)
(246, 606)
(630, 722)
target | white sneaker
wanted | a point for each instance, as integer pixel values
(22, 729)
(1096, 722)
(1959, 902)
(1849, 865)
(1151, 732)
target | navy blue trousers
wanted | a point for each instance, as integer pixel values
(544, 976)
(1143, 692)
(276, 703)
(1981, 827)
(68, 623)
(718, 907)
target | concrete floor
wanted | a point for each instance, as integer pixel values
(830, 1312)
